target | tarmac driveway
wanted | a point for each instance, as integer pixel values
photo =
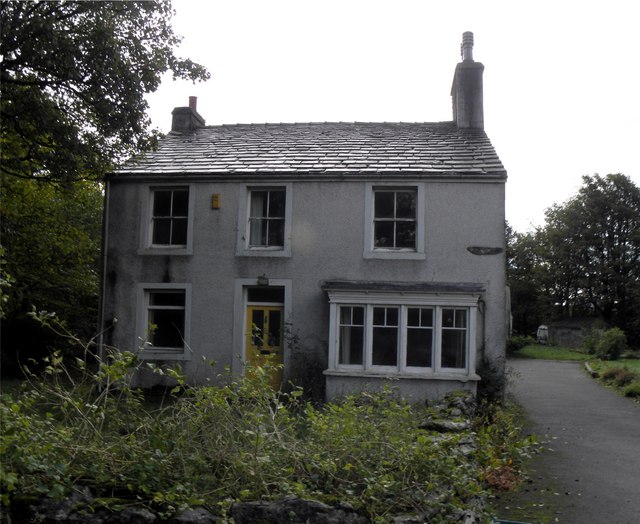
(592, 474)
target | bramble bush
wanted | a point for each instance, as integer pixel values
(77, 427)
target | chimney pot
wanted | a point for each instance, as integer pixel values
(193, 102)
(466, 49)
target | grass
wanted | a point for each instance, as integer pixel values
(551, 353)
(632, 364)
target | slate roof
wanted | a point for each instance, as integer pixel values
(324, 149)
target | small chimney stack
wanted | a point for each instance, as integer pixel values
(186, 119)
(466, 92)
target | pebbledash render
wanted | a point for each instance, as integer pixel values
(355, 254)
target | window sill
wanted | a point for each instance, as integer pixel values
(163, 355)
(178, 251)
(264, 252)
(429, 375)
(394, 255)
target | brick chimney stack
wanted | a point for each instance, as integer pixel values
(466, 92)
(186, 119)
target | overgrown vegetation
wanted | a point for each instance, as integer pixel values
(621, 375)
(72, 428)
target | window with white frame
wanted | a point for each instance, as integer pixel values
(394, 221)
(267, 209)
(163, 325)
(395, 334)
(169, 216)
(264, 221)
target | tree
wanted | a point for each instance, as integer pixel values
(52, 238)
(593, 248)
(524, 276)
(585, 261)
(74, 76)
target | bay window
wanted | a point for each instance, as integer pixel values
(421, 334)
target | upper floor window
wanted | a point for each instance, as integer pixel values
(167, 220)
(394, 222)
(267, 217)
(170, 217)
(264, 221)
(394, 219)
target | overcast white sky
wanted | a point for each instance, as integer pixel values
(561, 80)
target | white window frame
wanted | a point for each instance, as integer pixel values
(146, 227)
(437, 302)
(146, 351)
(244, 211)
(392, 253)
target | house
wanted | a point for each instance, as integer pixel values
(352, 253)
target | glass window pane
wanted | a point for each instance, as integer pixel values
(454, 349)
(180, 203)
(405, 235)
(379, 316)
(392, 316)
(258, 204)
(161, 203)
(266, 294)
(384, 350)
(461, 318)
(161, 231)
(426, 317)
(358, 316)
(275, 321)
(351, 345)
(257, 232)
(179, 232)
(413, 316)
(405, 204)
(448, 316)
(168, 328)
(383, 234)
(166, 298)
(277, 204)
(384, 204)
(275, 232)
(419, 347)
(257, 327)
(345, 315)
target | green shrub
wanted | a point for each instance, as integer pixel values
(612, 344)
(517, 342)
(590, 340)
(241, 441)
(632, 390)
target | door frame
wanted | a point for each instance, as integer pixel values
(241, 285)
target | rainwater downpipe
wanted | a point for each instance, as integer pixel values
(481, 311)
(103, 271)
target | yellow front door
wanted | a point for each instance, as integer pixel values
(264, 342)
